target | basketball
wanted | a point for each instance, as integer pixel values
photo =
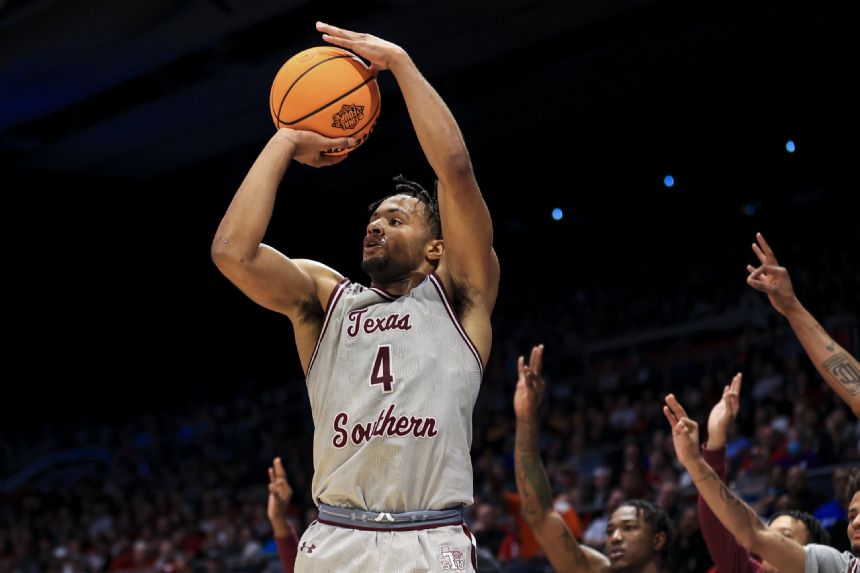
(327, 90)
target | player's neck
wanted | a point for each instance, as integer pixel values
(400, 285)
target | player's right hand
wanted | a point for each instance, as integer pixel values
(310, 146)
(723, 413)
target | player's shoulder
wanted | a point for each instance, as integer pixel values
(318, 271)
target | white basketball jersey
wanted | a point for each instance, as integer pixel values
(392, 385)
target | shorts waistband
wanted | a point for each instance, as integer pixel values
(375, 520)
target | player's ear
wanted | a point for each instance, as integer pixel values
(660, 541)
(434, 250)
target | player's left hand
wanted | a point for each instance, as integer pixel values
(381, 53)
(280, 492)
(530, 385)
(770, 278)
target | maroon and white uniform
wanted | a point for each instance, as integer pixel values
(392, 385)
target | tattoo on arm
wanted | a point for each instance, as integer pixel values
(732, 499)
(573, 548)
(844, 368)
(536, 477)
(531, 477)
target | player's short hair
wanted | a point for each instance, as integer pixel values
(814, 532)
(658, 519)
(853, 485)
(403, 186)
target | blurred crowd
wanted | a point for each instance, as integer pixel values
(185, 489)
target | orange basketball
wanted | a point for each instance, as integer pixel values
(327, 90)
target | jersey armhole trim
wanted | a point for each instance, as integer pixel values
(333, 299)
(440, 288)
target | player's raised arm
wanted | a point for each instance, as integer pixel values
(265, 275)
(561, 548)
(739, 518)
(469, 265)
(839, 369)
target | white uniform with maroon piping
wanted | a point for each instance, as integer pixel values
(392, 385)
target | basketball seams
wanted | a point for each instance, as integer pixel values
(319, 109)
(300, 76)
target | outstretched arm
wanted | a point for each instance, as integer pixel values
(727, 553)
(839, 369)
(268, 277)
(739, 518)
(469, 258)
(563, 551)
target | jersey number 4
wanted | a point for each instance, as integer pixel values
(381, 372)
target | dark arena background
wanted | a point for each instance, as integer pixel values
(628, 151)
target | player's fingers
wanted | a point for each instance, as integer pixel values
(736, 383)
(675, 406)
(335, 31)
(750, 269)
(329, 160)
(759, 253)
(537, 364)
(338, 41)
(271, 476)
(521, 367)
(279, 469)
(670, 416)
(766, 248)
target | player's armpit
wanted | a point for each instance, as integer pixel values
(563, 551)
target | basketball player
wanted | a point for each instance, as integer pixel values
(784, 554)
(839, 369)
(393, 369)
(728, 555)
(637, 536)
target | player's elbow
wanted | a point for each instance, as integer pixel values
(458, 167)
(225, 254)
(756, 542)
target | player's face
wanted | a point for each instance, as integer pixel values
(396, 236)
(854, 523)
(630, 541)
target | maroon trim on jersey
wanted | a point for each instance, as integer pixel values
(473, 544)
(444, 296)
(384, 293)
(408, 527)
(333, 298)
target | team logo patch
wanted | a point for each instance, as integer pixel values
(305, 548)
(348, 116)
(452, 559)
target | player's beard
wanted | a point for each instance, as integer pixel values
(375, 266)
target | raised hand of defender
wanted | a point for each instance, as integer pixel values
(685, 432)
(530, 385)
(723, 413)
(280, 493)
(381, 53)
(770, 278)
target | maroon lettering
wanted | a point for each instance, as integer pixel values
(339, 439)
(357, 323)
(354, 317)
(387, 424)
